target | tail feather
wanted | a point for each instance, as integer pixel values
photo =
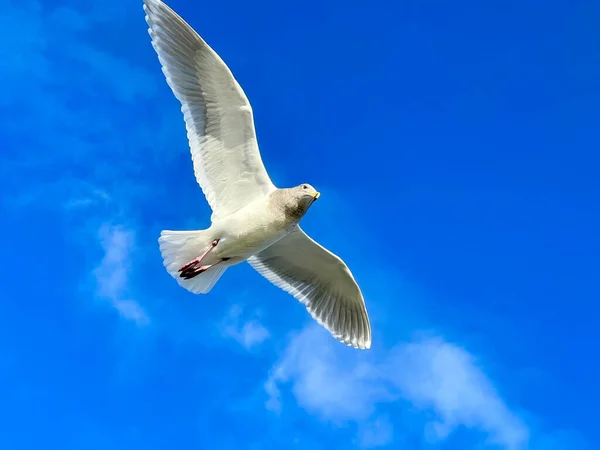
(180, 247)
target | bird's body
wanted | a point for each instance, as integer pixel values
(252, 219)
(247, 232)
(252, 229)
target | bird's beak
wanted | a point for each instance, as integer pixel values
(316, 195)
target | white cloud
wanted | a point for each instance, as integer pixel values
(437, 378)
(322, 381)
(69, 81)
(112, 273)
(249, 333)
(442, 377)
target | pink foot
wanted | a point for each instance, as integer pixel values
(194, 262)
(192, 272)
(190, 265)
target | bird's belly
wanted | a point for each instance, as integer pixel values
(249, 232)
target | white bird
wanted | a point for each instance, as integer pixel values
(252, 220)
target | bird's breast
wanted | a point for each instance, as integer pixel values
(250, 230)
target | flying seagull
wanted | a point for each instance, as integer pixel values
(252, 220)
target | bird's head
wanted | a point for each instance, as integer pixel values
(305, 192)
(305, 195)
(299, 198)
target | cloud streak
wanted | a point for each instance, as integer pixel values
(444, 378)
(112, 273)
(249, 334)
(440, 380)
(67, 84)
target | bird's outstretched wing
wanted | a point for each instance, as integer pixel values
(218, 116)
(321, 281)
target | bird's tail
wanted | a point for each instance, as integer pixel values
(180, 247)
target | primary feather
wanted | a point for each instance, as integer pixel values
(321, 281)
(218, 116)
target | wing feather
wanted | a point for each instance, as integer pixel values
(321, 281)
(217, 113)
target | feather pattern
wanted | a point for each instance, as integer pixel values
(217, 113)
(321, 281)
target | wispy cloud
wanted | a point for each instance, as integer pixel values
(444, 378)
(249, 333)
(68, 83)
(85, 159)
(113, 271)
(438, 378)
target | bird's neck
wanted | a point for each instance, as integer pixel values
(284, 202)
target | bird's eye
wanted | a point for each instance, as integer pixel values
(304, 187)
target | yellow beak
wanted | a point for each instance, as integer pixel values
(316, 195)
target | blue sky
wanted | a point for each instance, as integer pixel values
(453, 144)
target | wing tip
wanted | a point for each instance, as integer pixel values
(151, 3)
(360, 344)
(148, 6)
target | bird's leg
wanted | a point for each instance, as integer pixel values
(193, 271)
(194, 262)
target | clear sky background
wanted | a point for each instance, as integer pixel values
(456, 146)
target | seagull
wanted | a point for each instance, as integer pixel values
(252, 220)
